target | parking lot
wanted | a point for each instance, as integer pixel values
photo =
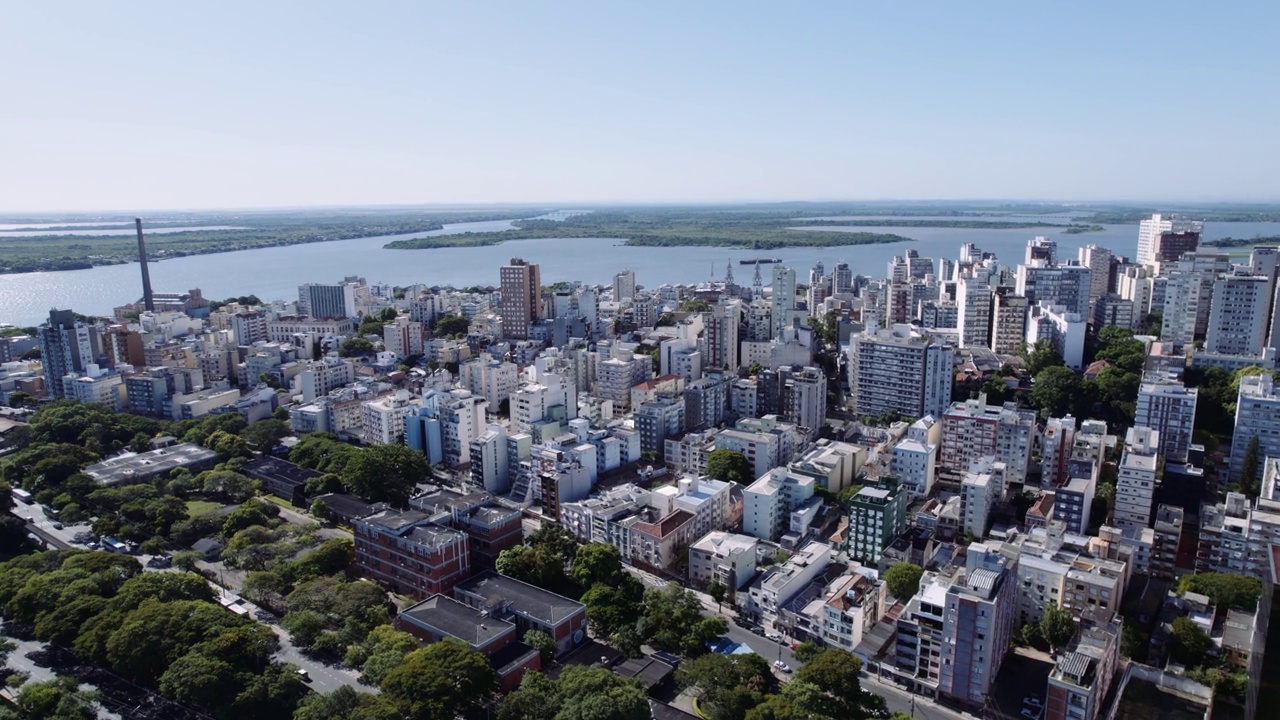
(1024, 674)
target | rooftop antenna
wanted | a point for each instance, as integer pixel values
(147, 300)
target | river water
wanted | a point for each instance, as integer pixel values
(276, 272)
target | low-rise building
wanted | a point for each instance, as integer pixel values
(725, 557)
(439, 617)
(527, 606)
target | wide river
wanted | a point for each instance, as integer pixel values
(276, 272)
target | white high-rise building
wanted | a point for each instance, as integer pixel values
(1238, 314)
(1067, 285)
(915, 457)
(981, 487)
(768, 502)
(383, 419)
(1257, 415)
(1136, 483)
(782, 303)
(1065, 330)
(624, 285)
(1170, 408)
(1149, 231)
(901, 369)
(973, 429)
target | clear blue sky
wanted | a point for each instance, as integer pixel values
(133, 105)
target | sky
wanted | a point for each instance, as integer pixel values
(163, 105)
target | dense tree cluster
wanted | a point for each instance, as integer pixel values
(379, 473)
(1225, 590)
(160, 630)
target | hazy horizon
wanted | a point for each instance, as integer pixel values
(243, 106)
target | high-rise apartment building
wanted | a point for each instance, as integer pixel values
(1067, 285)
(1008, 321)
(1136, 483)
(1098, 260)
(973, 429)
(953, 634)
(624, 285)
(1170, 408)
(901, 369)
(330, 301)
(1257, 416)
(1239, 313)
(67, 346)
(973, 301)
(782, 302)
(521, 287)
(877, 515)
(1166, 237)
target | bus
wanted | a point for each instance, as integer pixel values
(22, 496)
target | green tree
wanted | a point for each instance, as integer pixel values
(537, 697)
(726, 685)
(196, 679)
(806, 651)
(717, 590)
(557, 540)
(451, 326)
(1057, 627)
(599, 694)
(351, 347)
(1056, 391)
(1190, 644)
(597, 563)
(345, 703)
(1039, 356)
(57, 699)
(265, 434)
(903, 579)
(385, 472)
(1225, 590)
(673, 620)
(382, 651)
(319, 510)
(543, 643)
(443, 680)
(609, 609)
(534, 564)
(836, 673)
(729, 465)
(1248, 480)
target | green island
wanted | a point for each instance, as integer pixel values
(42, 253)
(1244, 242)
(762, 230)
(962, 224)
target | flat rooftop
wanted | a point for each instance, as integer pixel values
(269, 468)
(446, 616)
(134, 467)
(523, 598)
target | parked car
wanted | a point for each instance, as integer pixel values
(774, 637)
(1032, 701)
(303, 675)
(782, 666)
(57, 525)
(1031, 713)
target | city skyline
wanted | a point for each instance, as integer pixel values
(165, 107)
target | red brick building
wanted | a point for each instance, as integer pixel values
(527, 606)
(439, 617)
(403, 551)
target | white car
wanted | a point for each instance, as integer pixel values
(1032, 702)
(773, 636)
(782, 666)
(1031, 713)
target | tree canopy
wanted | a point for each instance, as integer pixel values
(729, 465)
(903, 579)
(1226, 590)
